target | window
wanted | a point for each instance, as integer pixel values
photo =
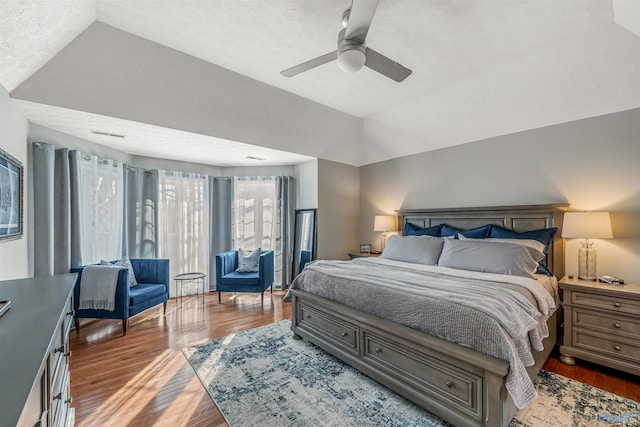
(101, 198)
(183, 221)
(254, 225)
(255, 222)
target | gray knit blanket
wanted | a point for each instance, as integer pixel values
(98, 287)
(499, 315)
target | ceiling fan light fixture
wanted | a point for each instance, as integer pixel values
(351, 58)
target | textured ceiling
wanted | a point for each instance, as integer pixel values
(34, 31)
(480, 68)
(442, 41)
(155, 141)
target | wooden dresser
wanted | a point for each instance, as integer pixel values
(601, 324)
(34, 351)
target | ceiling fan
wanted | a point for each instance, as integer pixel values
(352, 54)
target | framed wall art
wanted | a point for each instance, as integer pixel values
(11, 197)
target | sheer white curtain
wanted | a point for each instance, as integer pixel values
(100, 199)
(254, 216)
(183, 222)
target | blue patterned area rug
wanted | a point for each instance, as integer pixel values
(264, 377)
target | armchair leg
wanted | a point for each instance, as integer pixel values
(124, 326)
(262, 298)
(219, 297)
(77, 322)
(165, 308)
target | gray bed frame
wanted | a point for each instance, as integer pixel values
(458, 384)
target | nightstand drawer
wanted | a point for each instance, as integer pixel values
(598, 343)
(608, 323)
(605, 302)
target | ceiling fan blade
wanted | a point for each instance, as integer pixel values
(306, 66)
(386, 66)
(360, 18)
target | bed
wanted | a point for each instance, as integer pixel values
(461, 385)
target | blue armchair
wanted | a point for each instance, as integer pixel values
(152, 276)
(229, 280)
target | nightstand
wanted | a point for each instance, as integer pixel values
(354, 255)
(601, 324)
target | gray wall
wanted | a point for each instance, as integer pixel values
(15, 259)
(338, 208)
(590, 163)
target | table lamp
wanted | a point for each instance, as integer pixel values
(587, 225)
(384, 223)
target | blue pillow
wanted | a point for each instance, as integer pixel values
(473, 233)
(414, 230)
(544, 236)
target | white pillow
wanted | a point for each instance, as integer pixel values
(248, 261)
(525, 242)
(490, 257)
(124, 262)
(416, 249)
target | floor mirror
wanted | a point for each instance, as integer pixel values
(304, 240)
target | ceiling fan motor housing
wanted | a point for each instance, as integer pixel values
(351, 54)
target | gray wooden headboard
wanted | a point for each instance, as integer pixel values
(517, 218)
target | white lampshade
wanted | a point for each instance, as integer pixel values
(384, 223)
(587, 225)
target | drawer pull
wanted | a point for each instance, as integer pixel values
(69, 401)
(617, 325)
(378, 350)
(449, 384)
(71, 313)
(59, 349)
(58, 396)
(67, 354)
(616, 304)
(616, 347)
(345, 334)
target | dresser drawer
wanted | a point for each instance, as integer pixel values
(444, 382)
(337, 330)
(60, 398)
(606, 322)
(605, 344)
(67, 317)
(58, 349)
(606, 302)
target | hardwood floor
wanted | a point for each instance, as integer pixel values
(143, 379)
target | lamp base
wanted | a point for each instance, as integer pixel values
(587, 262)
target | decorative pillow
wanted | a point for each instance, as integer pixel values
(544, 236)
(526, 242)
(416, 249)
(414, 230)
(490, 257)
(125, 262)
(474, 233)
(248, 261)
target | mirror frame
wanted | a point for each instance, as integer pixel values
(296, 249)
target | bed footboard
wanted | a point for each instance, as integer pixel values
(458, 384)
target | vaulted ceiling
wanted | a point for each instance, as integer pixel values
(185, 80)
